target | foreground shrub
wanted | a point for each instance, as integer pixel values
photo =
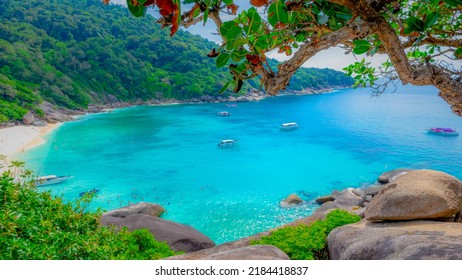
(308, 242)
(35, 225)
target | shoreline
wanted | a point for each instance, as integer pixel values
(21, 138)
(252, 96)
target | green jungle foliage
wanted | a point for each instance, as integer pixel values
(308, 242)
(74, 53)
(36, 226)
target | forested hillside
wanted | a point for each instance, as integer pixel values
(75, 53)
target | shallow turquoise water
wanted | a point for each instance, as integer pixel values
(169, 154)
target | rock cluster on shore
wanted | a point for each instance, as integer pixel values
(55, 114)
(415, 216)
(145, 215)
(408, 214)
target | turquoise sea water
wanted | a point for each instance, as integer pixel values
(169, 154)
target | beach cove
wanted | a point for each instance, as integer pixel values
(19, 139)
(170, 156)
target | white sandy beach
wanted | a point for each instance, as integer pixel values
(17, 139)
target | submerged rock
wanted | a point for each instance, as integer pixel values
(419, 194)
(414, 240)
(150, 209)
(178, 236)
(292, 199)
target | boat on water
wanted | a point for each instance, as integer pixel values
(224, 113)
(445, 131)
(227, 143)
(231, 105)
(50, 180)
(289, 126)
(93, 191)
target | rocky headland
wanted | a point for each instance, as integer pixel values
(407, 214)
(54, 114)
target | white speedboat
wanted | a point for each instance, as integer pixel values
(227, 143)
(50, 180)
(224, 113)
(289, 126)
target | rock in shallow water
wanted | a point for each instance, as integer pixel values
(292, 199)
(150, 209)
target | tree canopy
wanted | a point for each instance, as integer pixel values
(423, 39)
(74, 53)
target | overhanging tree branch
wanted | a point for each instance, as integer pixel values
(392, 27)
(274, 84)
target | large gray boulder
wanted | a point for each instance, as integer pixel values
(57, 117)
(52, 114)
(419, 194)
(413, 240)
(146, 208)
(28, 118)
(255, 252)
(178, 236)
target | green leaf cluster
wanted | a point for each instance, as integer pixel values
(361, 46)
(277, 13)
(363, 74)
(415, 24)
(37, 226)
(137, 10)
(308, 242)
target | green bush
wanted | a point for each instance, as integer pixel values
(308, 242)
(35, 226)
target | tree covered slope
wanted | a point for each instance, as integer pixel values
(76, 53)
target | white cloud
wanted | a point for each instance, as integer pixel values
(119, 2)
(209, 31)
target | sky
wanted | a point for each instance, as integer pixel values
(334, 58)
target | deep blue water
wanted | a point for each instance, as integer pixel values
(169, 154)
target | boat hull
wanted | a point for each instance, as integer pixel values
(227, 143)
(443, 132)
(54, 181)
